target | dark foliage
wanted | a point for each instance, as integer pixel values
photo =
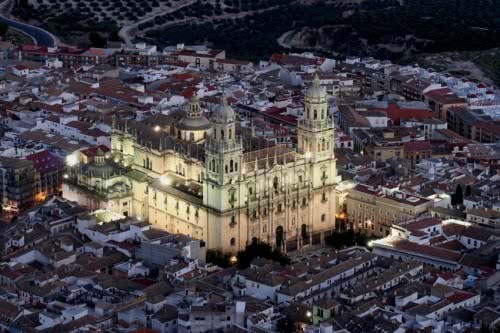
(260, 250)
(425, 25)
(218, 258)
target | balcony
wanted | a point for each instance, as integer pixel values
(318, 124)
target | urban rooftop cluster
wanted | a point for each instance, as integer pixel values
(125, 171)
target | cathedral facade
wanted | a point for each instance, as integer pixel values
(198, 177)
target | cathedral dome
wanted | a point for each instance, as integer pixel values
(196, 123)
(224, 113)
(194, 119)
(316, 90)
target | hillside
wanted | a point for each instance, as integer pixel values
(254, 29)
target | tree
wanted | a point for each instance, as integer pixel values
(459, 195)
(96, 40)
(484, 329)
(4, 27)
(286, 325)
(259, 249)
(218, 258)
(468, 190)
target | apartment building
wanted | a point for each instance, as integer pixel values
(373, 210)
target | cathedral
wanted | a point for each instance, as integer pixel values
(198, 177)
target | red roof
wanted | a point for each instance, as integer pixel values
(44, 161)
(91, 152)
(295, 60)
(459, 297)
(417, 145)
(395, 113)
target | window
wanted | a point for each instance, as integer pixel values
(323, 218)
(233, 241)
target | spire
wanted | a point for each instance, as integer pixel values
(316, 81)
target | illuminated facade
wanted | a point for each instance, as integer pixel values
(195, 177)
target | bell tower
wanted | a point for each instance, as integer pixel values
(223, 160)
(315, 135)
(315, 131)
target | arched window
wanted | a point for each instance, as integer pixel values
(226, 168)
(230, 134)
(275, 183)
(323, 218)
(233, 241)
(235, 166)
(222, 134)
(231, 166)
(315, 114)
(323, 144)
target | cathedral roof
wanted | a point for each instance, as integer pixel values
(146, 135)
(268, 157)
(105, 170)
